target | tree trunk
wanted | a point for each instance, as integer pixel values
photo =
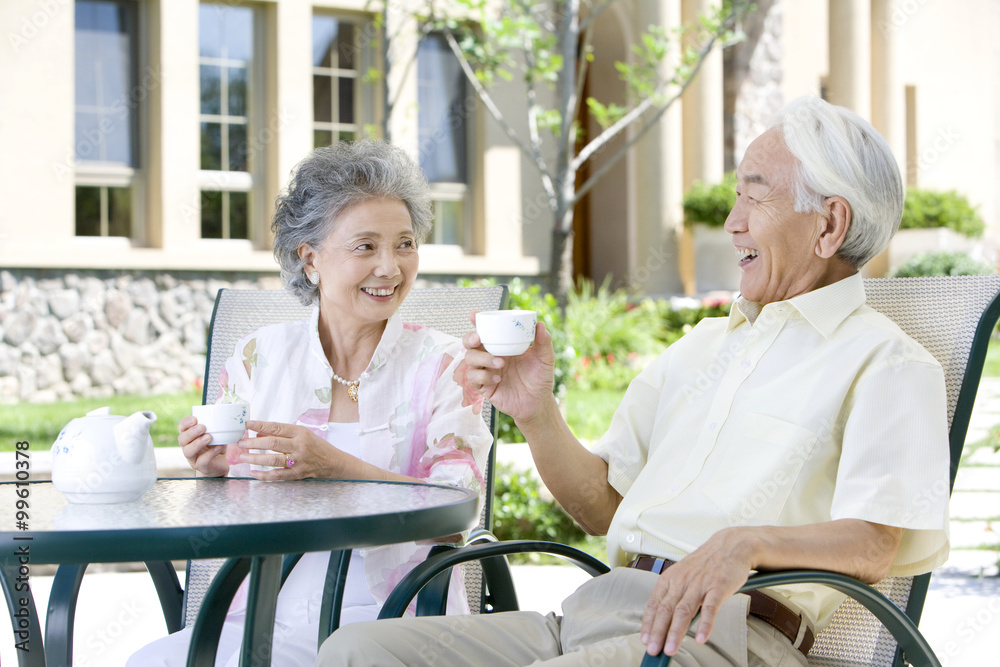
(561, 265)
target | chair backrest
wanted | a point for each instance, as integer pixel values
(952, 318)
(239, 312)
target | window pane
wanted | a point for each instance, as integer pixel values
(237, 31)
(237, 91)
(211, 89)
(238, 148)
(346, 100)
(322, 111)
(88, 211)
(441, 114)
(117, 144)
(347, 135)
(322, 138)
(88, 137)
(210, 31)
(324, 29)
(449, 222)
(238, 215)
(346, 46)
(104, 50)
(211, 215)
(211, 146)
(120, 212)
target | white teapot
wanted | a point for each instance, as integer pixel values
(105, 458)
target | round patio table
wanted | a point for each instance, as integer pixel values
(250, 521)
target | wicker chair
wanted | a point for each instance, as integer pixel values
(952, 317)
(239, 312)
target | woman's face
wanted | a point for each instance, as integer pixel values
(368, 263)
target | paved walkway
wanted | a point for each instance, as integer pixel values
(119, 613)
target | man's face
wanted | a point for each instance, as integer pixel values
(777, 247)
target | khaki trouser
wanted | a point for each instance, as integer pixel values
(599, 627)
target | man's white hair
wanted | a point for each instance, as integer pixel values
(840, 153)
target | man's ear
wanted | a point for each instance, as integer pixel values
(833, 226)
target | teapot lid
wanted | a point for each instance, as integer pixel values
(100, 412)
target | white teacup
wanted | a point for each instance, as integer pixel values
(506, 333)
(225, 422)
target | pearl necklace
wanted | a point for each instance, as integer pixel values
(352, 387)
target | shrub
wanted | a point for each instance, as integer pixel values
(602, 321)
(942, 264)
(520, 513)
(710, 204)
(925, 209)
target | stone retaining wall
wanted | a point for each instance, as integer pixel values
(69, 334)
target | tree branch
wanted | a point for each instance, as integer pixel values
(538, 16)
(594, 14)
(491, 106)
(626, 120)
(606, 167)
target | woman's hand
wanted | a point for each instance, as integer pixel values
(204, 457)
(518, 386)
(297, 452)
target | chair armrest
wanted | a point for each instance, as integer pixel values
(904, 631)
(397, 602)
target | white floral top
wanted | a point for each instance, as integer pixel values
(415, 417)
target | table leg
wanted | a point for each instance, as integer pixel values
(62, 613)
(262, 600)
(170, 593)
(23, 617)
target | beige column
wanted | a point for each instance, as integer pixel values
(285, 135)
(36, 129)
(888, 91)
(702, 114)
(850, 80)
(888, 97)
(658, 185)
(174, 200)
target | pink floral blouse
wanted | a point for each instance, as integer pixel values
(415, 419)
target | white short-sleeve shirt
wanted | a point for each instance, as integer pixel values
(821, 409)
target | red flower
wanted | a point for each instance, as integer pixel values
(611, 358)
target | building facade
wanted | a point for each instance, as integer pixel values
(145, 141)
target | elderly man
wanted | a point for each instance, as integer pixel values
(803, 431)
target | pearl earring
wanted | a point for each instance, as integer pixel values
(314, 277)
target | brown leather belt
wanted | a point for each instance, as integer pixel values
(762, 606)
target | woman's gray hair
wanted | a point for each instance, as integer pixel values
(840, 153)
(332, 180)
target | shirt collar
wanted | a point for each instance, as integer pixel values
(824, 308)
(383, 351)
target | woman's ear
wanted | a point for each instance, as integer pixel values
(833, 226)
(308, 255)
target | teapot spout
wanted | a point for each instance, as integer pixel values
(132, 435)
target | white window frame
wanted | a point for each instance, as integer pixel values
(224, 180)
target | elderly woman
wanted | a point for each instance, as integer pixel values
(352, 392)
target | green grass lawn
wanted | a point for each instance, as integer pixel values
(40, 423)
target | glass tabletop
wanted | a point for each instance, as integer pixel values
(209, 517)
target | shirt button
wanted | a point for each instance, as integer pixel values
(746, 363)
(630, 538)
(674, 488)
(712, 426)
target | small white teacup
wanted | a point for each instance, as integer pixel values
(506, 333)
(225, 422)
